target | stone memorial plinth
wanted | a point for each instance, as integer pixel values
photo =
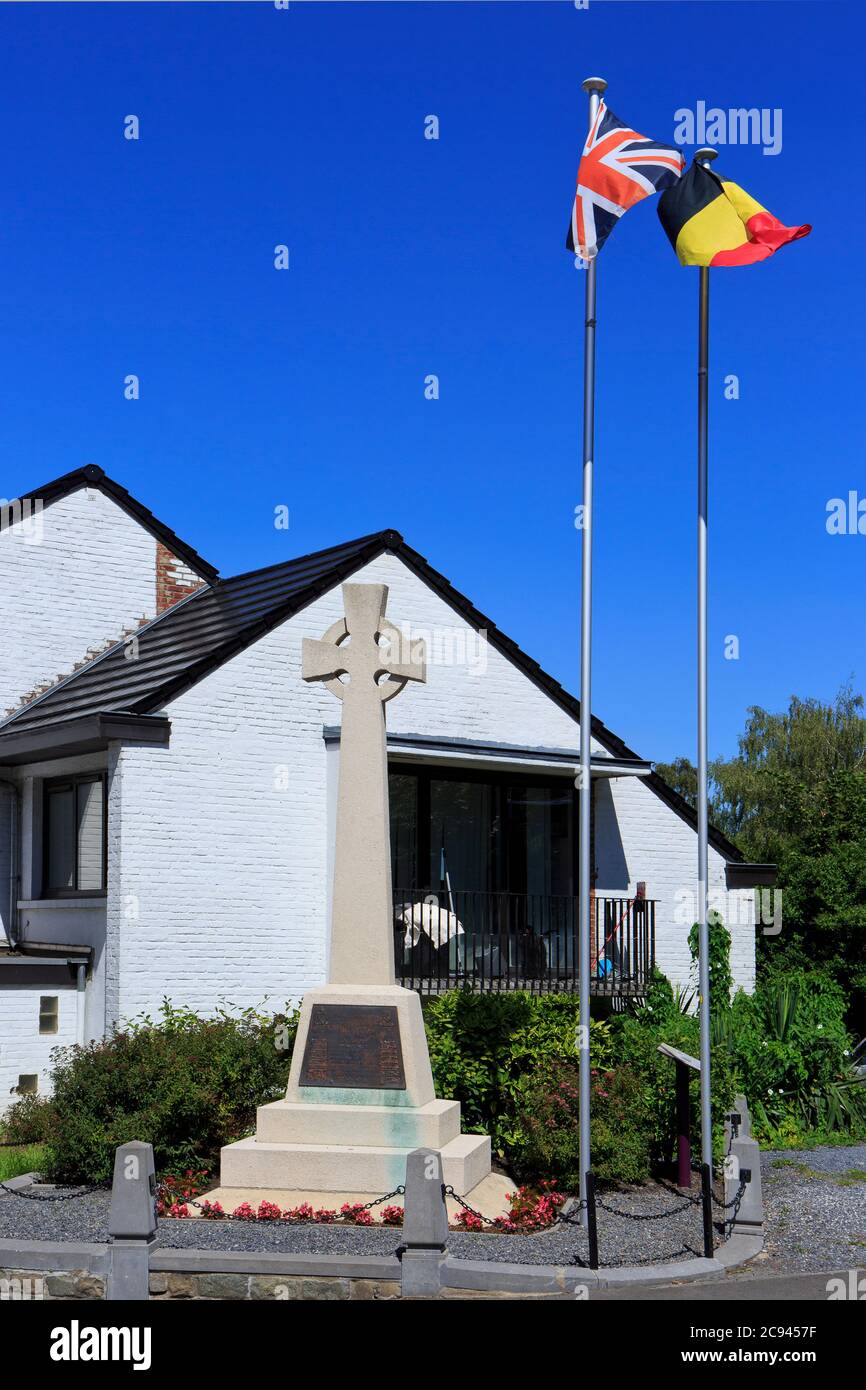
(360, 1096)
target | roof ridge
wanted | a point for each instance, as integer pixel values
(92, 475)
(385, 536)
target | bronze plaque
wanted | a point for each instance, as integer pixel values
(354, 1045)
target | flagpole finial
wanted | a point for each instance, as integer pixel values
(705, 155)
(594, 84)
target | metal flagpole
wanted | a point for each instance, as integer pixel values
(593, 86)
(705, 157)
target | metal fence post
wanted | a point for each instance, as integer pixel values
(131, 1222)
(707, 1202)
(591, 1220)
(425, 1225)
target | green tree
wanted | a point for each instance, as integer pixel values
(795, 795)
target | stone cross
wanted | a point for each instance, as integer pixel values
(362, 930)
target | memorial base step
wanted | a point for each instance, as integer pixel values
(430, 1126)
(252, 1163)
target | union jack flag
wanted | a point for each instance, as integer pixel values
(617, 169)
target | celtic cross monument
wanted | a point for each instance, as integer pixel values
(362, 936)
(360, 1096)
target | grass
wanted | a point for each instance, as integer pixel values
(24, 1158)
(848, 1178)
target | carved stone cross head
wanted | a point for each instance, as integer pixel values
(351, 648)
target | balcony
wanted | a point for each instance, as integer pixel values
(489, 942)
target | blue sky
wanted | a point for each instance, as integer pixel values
(305, 388)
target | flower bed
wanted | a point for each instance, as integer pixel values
(531, 1209)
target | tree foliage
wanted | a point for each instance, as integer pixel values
(795, 795)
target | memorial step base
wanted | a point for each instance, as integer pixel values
(251, 1163)
(430, 1126)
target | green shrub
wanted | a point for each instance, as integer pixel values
(636, 1041)
(791, 1054)
(187, 1085)
(547, 1144)
(483, 1046)
(29, 1121)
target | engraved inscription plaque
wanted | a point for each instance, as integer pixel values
(354, 1045)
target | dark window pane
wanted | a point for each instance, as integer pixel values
(61, 837)
(464, 831)
(403, 798)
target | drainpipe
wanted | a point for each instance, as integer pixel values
(14, 861)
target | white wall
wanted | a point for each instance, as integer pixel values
(218, 860)
(638, 837)
(70, 579)
(23, 1050)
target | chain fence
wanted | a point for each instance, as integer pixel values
(570, 1215)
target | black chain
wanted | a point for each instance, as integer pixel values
(461, 1201)
(735, 1200)
(569, 1218)
(377, 1201)
(572, 1216)
(45, 1197)
(647, 1216)
(177, 1201)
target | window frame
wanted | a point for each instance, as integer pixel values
(49, 1012)
(72, 782)
(499, 778)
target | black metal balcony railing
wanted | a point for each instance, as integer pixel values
(502, 941)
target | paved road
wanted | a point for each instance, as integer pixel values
(809, 1288)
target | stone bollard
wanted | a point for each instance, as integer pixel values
(131, 1222)
(744, 1130)
(425, 1224)
(744, 1161)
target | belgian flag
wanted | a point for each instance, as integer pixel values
(711, 221)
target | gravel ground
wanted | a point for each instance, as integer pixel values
(815, 1205)
(815, 1209)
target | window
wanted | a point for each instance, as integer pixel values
(28, 1085)
(49, 1012)
(74, 836)
(482, 832)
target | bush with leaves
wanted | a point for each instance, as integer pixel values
(29, 1121)
(186, 1085)
(484, 1046)
(660, 1019)
(792, 1057)
(547, 1142)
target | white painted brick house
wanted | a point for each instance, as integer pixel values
(167, 808)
